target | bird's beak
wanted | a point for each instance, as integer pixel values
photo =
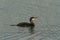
(34, 18)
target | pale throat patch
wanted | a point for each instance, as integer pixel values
(33, 19)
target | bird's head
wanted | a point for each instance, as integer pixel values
(32, 18)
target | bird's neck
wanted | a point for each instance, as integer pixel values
(31, 22)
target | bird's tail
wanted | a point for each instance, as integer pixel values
(13, 25)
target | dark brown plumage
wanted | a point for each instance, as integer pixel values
(31, 25)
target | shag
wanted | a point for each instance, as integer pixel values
(30, 24)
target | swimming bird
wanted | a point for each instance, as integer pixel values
(30, 24)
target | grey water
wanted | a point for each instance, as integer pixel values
(47, 25)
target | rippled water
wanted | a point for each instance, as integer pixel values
(15, 11)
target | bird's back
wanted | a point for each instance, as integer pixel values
(25, 24)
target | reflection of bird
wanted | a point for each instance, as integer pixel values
(26, 24)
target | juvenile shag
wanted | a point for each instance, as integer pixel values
(31, 25)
